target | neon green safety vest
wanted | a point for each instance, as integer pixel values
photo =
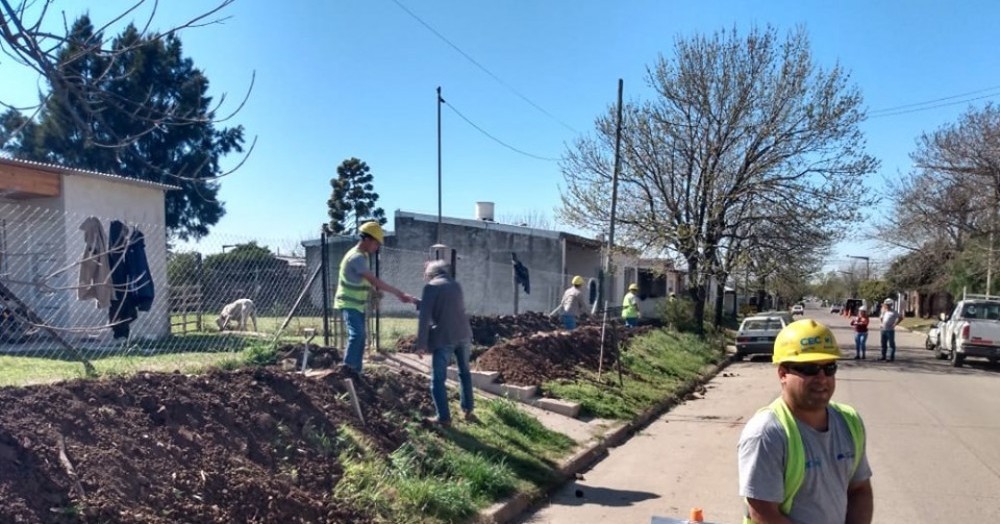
(349, 295)
(629, 308)
(795, 453)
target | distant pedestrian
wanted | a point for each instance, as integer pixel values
(573, 304)
(630, 306)
(889, 320)
(802, 458)
(860, 324)
(354, 283)
(443, 328)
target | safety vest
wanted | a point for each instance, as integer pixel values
(795, 452)
(630, 309)
(350, 295)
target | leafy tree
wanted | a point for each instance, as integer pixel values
(745, 131)
(874, 291)
(183, 268)
(143, 79)
(354, 199)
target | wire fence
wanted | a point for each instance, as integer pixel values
(115, 295)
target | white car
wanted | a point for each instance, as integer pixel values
(757, 334)
(798, 309)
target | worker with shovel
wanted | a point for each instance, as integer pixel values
(573, 304)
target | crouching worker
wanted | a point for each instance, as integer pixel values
(630, 306)
(443, 328)
(572, 304)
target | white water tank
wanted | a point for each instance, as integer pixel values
(484, 211)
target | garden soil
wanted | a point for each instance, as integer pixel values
(255, 445)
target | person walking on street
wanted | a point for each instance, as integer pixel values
(802, 458)
(444, 329)
(889, 320)
(354, 282)
(860, 324)
(630, 306)
(573, 304)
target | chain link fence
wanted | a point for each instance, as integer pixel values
(88, 291)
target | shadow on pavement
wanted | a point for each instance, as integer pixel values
(603, 496)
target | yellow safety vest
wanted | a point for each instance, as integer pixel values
(795, 453)
(350, 295)
(629, 308)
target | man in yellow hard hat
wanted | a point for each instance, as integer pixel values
(573, 304)
(802, 458)
(354, 282)
(630, 306)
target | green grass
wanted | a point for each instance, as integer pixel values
(448, 476)
(655, 365)
(918, 324)
(21, 371)
(390, 328)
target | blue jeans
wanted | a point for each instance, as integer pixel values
(631, 321)
(889, 339)
(440, 358)
(569, 321)
(355, 322)
(860, 339)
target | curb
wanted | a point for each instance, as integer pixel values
(595, 449)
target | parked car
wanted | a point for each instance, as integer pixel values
(799, 309)
(934, 333)
(835, 308)
(972, 330)
(756, 335)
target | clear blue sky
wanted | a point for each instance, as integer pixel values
(344, 78)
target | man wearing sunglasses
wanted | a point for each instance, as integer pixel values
(802, 458)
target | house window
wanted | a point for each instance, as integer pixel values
(652, 284)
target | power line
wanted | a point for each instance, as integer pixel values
(495, 139)
(482, 67)
(915, 104)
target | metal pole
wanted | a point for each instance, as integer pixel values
(439, 102)
(324, 262)
(614, 192)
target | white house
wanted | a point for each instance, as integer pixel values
(42, 207)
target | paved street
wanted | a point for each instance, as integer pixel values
(933, 442)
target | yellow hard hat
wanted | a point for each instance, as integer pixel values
(373, 230)
(633, 287)
(805, 341)
(578, 280)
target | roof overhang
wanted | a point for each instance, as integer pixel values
(23, 183)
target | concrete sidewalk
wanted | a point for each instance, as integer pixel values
(594, 437)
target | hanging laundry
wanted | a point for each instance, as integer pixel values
(95, 273)
(133, 288)
(521, 273)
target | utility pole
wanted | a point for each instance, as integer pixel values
(614, 193)
(439, 102)
(868, 265)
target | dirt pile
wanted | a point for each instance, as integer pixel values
(319, 357)
(487, 329)
(535, 359)
(256, 446)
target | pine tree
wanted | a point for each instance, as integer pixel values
(354, 199)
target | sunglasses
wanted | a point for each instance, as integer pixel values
(811, 370)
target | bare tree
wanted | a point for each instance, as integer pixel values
(531, 218)
(944, 210)
(742, 126)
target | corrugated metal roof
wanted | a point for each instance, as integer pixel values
(63, 170)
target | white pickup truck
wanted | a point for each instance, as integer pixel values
(972, 330)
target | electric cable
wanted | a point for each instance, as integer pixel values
(495, 139)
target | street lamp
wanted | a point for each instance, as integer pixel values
(868, 265)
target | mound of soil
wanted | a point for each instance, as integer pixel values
(535, 359)
(255, 446)
(319, 357)
(487, 329)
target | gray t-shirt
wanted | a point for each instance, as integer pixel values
(822, 499)
(356, 266)
(890, 319)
